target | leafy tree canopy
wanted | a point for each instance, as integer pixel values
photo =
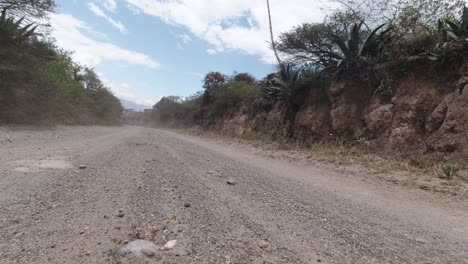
(407, 16)
(37, 9)
(213, 80)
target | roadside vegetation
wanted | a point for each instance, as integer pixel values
(347, 44)
(365, 48)
(39, 82)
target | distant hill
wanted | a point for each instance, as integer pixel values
(132, 105)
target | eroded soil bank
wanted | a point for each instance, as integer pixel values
(407, 107)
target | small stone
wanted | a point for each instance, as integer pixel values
(87, 253)
(187, 205)
(52, 246)
(170, 244)
(424, 187)
(82, 167)
(420, 240)
(147, 252)
(120, 214)
(211, 172)
(231, 182)
(139, 249)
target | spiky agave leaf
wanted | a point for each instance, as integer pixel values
(386, 32)
(3, 16)
(284, 85)
(342, 46)
(18, 23)
(440, 25)
(354, 40)
(453, 27)
(30, 32)
(452, 35)
(464, 20)
(25, 28)
(368, 42)
(15, 28)
(458, 32)
(439, 52)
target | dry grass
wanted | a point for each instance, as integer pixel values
(344, 153)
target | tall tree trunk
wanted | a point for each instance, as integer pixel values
(273, 45)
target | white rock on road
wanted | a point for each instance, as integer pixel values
(139, 249)
(170, 244)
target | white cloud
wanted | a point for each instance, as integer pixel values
(211, 51)
(110, 5)
(149, 101)
(124, 91)
(121, 90)
(98, 12)
(76, 36)
(182, 40)
(186, 39)
(133, 9)
(240, 25)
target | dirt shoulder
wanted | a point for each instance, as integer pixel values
(424, 172)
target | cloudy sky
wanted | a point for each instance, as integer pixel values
(146, 49)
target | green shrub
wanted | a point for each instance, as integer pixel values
(185, 111)
(231, 95)
(40, 83)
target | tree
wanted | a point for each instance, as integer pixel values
(310, 42)
(213, 80)
(406, 16)
(339, 23)
(306, 43)
(36, 9)
(91, 82)
(243, 77)
(40, 82)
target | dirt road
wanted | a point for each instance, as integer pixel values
(217, 203)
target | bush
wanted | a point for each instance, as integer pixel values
(231, 95)
(40, 83)
(222, 93)
(177, 109)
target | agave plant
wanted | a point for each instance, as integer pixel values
(285, 85)
(437, 32)
(9, 28)
(439, 52)
(354, 48)
(459, 31)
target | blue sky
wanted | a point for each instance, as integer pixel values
(146, 49)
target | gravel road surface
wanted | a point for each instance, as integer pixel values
(142, 195)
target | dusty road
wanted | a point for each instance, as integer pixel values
(155, 185)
